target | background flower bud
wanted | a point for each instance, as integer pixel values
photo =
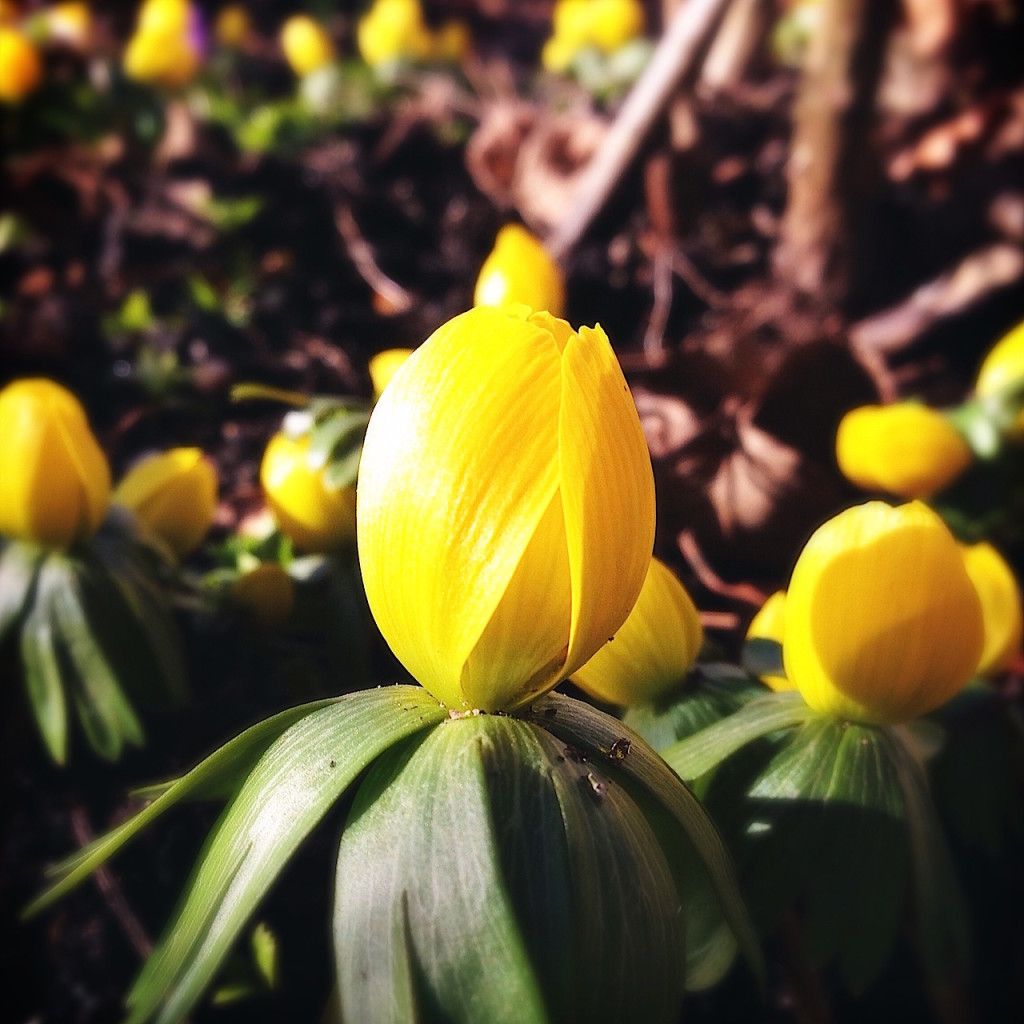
(882, 621)
(770, 624)
(307, 47)
(383, 367)
(315, 516)
(1002, 373)
(268, 593)
(1000, 606)
(54, 478)
(519, 270)
(906, 449)
(394, 30)
(652, 651)
(506, 506)
(175, 494)
(20, 66)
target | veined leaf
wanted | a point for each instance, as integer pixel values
(298, 778)
(606, 738)
(692, 757)
(216, 777)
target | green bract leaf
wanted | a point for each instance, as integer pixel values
(215, 778)
(691, 758)
(605, 738)
(19, 564)
(292, 786)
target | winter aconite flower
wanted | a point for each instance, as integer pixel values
(652, 651)
(506, 506)
(315, 516)
(54, 478)
(307, 47)
(770, 624)
(906, 449)
(168, 45)
(267, 593)
(1000, 605)
(882, 621)
(175, 494)
(383, 367)
(519, 270)
(392, 31)
(606, 25)
(233, 27)
(1001, 375)
(20, 66)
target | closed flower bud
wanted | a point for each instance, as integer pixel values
(906, 449)
(1002, 374)
(20, 66)
(69, 23)
(1000, 607)
(267, 593)
(451, 42)
(307, 47)
(316, 517)
(604, 24)
(233, 26)
(168, 45)
(158, 17)
(520, 271)
(882, 621)
(392, 31)
(615, 23)
(383, 367)
(770, 624)
(652, 651)
(506, 506)
(54, 478)
(175, 494)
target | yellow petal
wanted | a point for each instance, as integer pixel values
(652, 651)
(607, 486)
(459, 467)
(904, 449)
(20, 66)
(882, 622)
(520, 271)
(1002, 372)
(383, 367)
(1000, 606)
(770, 624)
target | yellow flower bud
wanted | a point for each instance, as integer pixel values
(175, 494)
(164, 17)
(70, 23)
(652, 651)
(615, 23)
(167, 47)
(268, 593)
(1000, 607)
(1002, 372)
(20, 67)
(520, 271)
(506, 506)
(315, 516)
(307, 47)
(882, 621)
(770, 624)
(383, 367)
(233, 26)
(394, 30)
(54, 478)
(906, 449)
(451, 43)
(605, 24)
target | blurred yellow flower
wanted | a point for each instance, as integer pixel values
(54, 478)
(770, 624)
(652, 651)
(315, 516)
(70, 23)
(394, 30)
(164, 17)
(882, 621)
(307, 46)
(452, 41)
(268, 593)
(506, 506)
(383, 367)
(1000, 607)
(605, 24)
(233, 26)
(905, 449)
(519, 270)
(1002, 373)
(20, 66)
(175, 494)
(167, 46)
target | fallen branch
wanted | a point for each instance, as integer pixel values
(683, 41)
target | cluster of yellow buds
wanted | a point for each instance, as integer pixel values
(487, 530)
(519, 270)
(886, 616)
(606, 25)
(168, 45)
(393, 31)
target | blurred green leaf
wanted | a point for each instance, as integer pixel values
(19, 567)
